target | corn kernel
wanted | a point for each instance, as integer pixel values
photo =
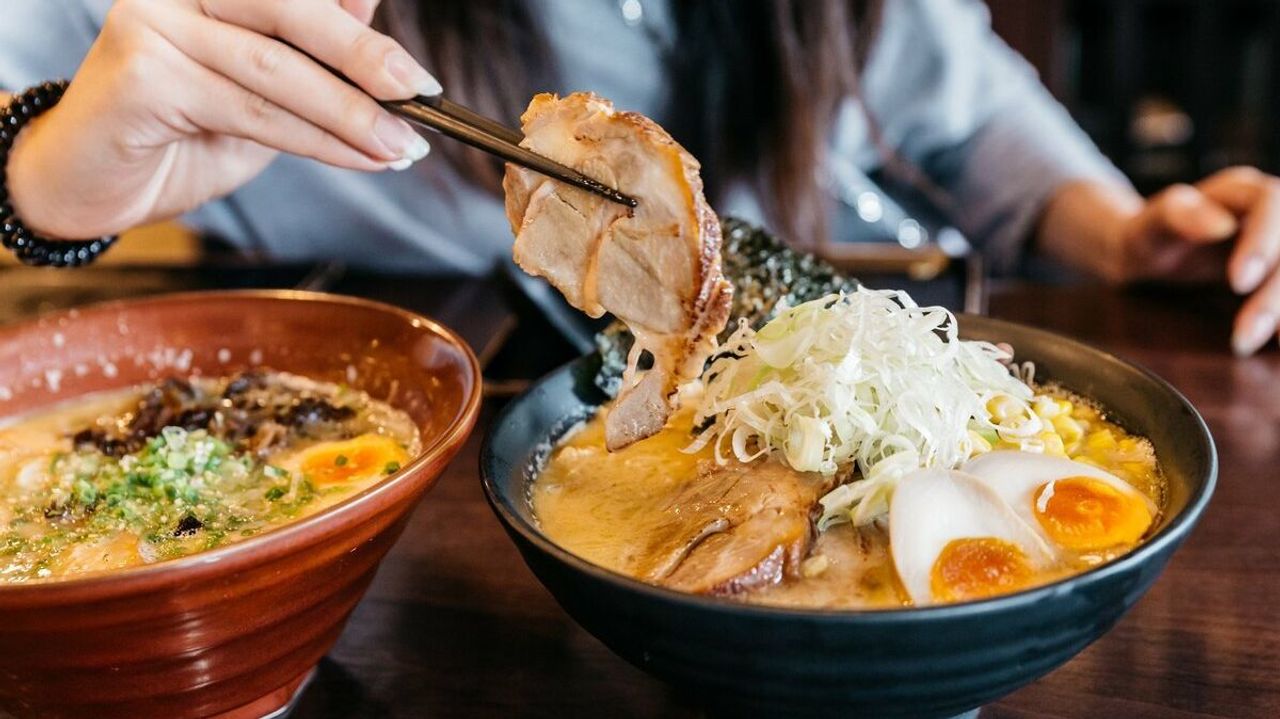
(1002, 409)
(1046, 407)
(1137, 469)
(1101, 440)
(1053, 444)
(1069, 429)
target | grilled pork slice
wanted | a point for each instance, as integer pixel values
(734, 529)
(656, 267)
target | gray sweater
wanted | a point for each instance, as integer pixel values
(948, 94)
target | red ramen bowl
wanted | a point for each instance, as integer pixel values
(231, 632)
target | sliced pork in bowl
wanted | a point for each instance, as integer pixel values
(853, 505)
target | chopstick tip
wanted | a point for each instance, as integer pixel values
(610, 193)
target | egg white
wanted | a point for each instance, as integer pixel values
(1017, 476)
(933, 507)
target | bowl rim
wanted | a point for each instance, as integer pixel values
(1167, 538)
(287, 538)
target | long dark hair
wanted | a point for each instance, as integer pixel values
(757, 84)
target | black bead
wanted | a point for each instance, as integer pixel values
(29, 248)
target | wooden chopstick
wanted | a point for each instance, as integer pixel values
(471, 127)
(467, 115)
(481, 132)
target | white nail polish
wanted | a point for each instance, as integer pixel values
(408, 72)
(400, 165)
(430, 87)
(1251, 274)
(1254, 335)
(417, 149)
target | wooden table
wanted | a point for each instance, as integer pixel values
(456, 626)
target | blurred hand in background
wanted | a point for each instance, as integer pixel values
(1226, 226)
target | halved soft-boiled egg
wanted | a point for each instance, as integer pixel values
(363, 457)
(1074, 505)
(953, 539)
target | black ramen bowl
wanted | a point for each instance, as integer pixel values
(934, 661)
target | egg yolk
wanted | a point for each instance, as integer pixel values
(368, 455)
(1086, 515)
(977, 567)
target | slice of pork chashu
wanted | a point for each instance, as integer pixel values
(734, 529)
(656, 268)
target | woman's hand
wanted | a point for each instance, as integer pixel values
(1181, 233)
(182, 101)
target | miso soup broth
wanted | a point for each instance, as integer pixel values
(679, 519)
(856, 453)
(139, 475)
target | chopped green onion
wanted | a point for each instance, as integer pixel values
(864, 382)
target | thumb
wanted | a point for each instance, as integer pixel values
(1184, 213)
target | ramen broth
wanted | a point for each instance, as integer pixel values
(135, 476)
(607, 507)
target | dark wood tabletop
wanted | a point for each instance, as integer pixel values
(456, 626)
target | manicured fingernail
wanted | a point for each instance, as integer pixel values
(410, 74)
(1252, 270)
(400, 165)
(1223, 225)
(1254, 334)
(399, 139)
(419, 149)
(1183, 196)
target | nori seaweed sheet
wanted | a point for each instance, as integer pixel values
(763, 270)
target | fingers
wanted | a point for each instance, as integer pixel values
(1256, 197)
(1187, 214)
(332, 35)
(1258, 320)
(1170, 232)
(226, 108)
(1234, 187)
(361, 10)
(289, 80)
(1259, 249)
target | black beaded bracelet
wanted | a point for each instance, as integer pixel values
(30, 248)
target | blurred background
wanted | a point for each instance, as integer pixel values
(1171, 90)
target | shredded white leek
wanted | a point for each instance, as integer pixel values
(866, 383)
